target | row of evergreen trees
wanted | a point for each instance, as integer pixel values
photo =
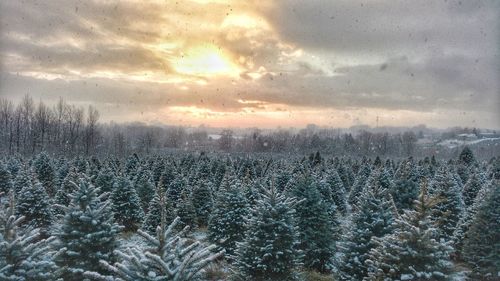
(353, 219)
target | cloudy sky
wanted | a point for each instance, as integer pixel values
(259, 63)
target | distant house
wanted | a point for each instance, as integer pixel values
(467, 137)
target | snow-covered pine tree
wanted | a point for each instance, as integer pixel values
(481, 245)
(373, 216)
(5, 179)
(169, 256)
(24, 256)
(45, 172)
(87, 235)
(62, 197)
(153, 217)
(406, 185)
(413, 251)
(126, 204)
(23, 178)
(105, 179)
(317, 225)
(359, 183)
(227, 225)
(269, 250)
(186, 212)
(201, 198)
(449, 210)
(35, 206)
(145, 188)
(472, 186)
(338, 190)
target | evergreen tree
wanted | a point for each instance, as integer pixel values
(105, 180)
(144, 187)
(359, 184)
(270, 248)
(153, 217)
(315, 226)
(373, 217)
(186, 212)
(481, 245)
(338, 191)
(446, 213)
(227, 226)
(472, 186)
(5, 179)
(63, 194)
(45, 172)
(34, 205)
(405, 190)
(87, 235)
(467, 156)
(202, 201)
(126, 205)
(24, 256)
(413, 251)
(169, 256)
(22, 179)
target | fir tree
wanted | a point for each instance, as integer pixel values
(227, 226)
(5, 179)
(373, 217)
(481, 245)
(67, 187)
(186, 212)
(405, 190)
(446, 213)
(316, 222)
(22, 179)
(472, 186)
(34, 205)
(337, 190)
(269, 250)
(144, 187)
(202, 201)
(126, 205)
(24, 256)
(105, 180)
(359, 183)
(413, 251)
(87, 234)
(153, 217)
(45, 172)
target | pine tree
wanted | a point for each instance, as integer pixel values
(338, 191)
(481, 245)
(62, 197)
(45, 172)
(153, 217)
(472, 186)
(24, 255)
(405, 190)
(373, 217)
(202, 201)
(227, 226)
(35, 206)
(359, 183)
(316, 222)
(269, 250)
(22, 179)
(186, 212)
(169, 256)
(5, 179)
(105, 180)
(144, 187)
(413, 251)
(87, 235)
(126, 205)
(446, 213)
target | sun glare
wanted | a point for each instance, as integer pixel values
(206, 60)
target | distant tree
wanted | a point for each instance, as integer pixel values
(472, 186)
(144, 187)
(126, 205)
(153, 217)
(35, 206)
(201, 199)
(5, 178)
(226, 140)
(186, 211)
(45, 172)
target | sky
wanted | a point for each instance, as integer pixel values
(259, 63)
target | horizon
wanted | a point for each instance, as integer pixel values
(233, 64)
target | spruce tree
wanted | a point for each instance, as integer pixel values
(126, 204)
(153, 217)
(337, 190)
(227, 226)
(269, 250)
(202, 201)
(406, 185)
(316, 221)
(373, 217)
(87, 235)
(45, 172)
(186, 212)
(359, 183)
(105, 180)
(472, 186)
(481, 245)
(413, 251)
(24, 255)
(63, 194)
(5, 179)
(144, 187)
(447, 212)
(35, 206)
(23, 178)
